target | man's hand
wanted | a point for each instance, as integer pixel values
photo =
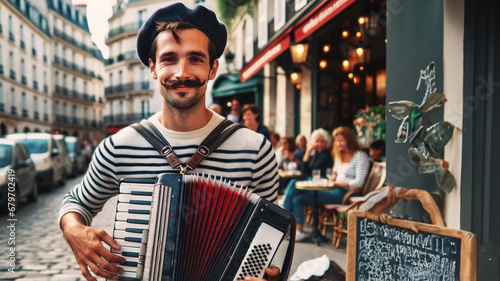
(272, 272)
(86, 243)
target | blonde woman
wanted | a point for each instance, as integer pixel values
(351, 163)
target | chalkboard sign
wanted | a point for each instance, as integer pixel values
(380, 247)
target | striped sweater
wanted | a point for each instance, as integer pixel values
(246, 158)
(353, 172)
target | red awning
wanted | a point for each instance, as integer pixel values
(304, 27)
(270, 53)
(319, 18)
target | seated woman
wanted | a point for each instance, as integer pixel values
(301, 144)
(317, 156)
(285, 156)
(351, 164)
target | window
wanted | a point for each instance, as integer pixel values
(11, 29)
(23, 72)
(45, 85)
(33, 44)
(145, 109)
(23, 44)
(299, 4)
(262, 32)
(45, 110)
(13, 103)
(12, 66)
(35, 77)
(35, 108)
(75, 114)
(249, 39)
(2, 99)
(142, 17)
(58, 111)
(45, 57)
(279, 14)
(24, 105)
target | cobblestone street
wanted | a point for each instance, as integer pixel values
(41, 253)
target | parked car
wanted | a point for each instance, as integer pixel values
(78, 165)
(45, 153)
(17, 173)
(64, 153)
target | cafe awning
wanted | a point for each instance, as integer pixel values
(229, 84)
(298, 30)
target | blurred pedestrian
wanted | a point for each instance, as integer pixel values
(216, 108)
(234, 115)
(251, 113)
(301, 145)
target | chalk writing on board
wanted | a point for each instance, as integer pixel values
(386, 252)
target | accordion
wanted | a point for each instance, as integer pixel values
(191, 227)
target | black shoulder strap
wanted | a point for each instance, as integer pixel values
(209, 144)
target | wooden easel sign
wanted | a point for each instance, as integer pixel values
(380, 247)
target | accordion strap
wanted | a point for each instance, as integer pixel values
(207, 146)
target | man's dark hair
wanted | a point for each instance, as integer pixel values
(378, 144)
(173, 26)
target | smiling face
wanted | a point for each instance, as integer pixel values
(182, 68)
(340, 142)
(320, 143)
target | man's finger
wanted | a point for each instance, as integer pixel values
(107, 239)
(106, 262)
(85, 272)
(99, 272)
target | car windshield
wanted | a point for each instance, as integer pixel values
(71, 146)
(37, 145)
(5, 155)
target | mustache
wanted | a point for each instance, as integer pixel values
(185, 83)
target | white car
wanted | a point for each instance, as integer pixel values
(45, 153)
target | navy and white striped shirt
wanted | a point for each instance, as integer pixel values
(353, 172)
(246, 158)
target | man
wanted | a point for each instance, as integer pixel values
(180, 46)
(234, 115)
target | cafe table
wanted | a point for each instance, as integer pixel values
(322, 184)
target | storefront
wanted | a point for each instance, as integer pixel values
(337, 69)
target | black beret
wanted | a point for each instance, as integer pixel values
(201, 17)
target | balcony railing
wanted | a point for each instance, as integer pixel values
(1, 69)
(2, 107)
(24, 80)
(12, 37)
(12, 75)
(25, 113)
(33, 52)
(75, 121)
(46, 89)
(73, 41)
(23, 44)
(138, 86)
(36, 115)
(13, 110)
(46, 117)
(124, 28)
(35, 84)
(125, 118)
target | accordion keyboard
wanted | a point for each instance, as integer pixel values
(131, 225)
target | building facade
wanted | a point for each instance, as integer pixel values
(25, 67)
(51, 72)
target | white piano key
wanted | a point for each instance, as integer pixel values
(124, 243)
(133, 208)
(135, 199)
(128, 187)
(130, 227)
(132, 218)
(121, 234)
(129, 251)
